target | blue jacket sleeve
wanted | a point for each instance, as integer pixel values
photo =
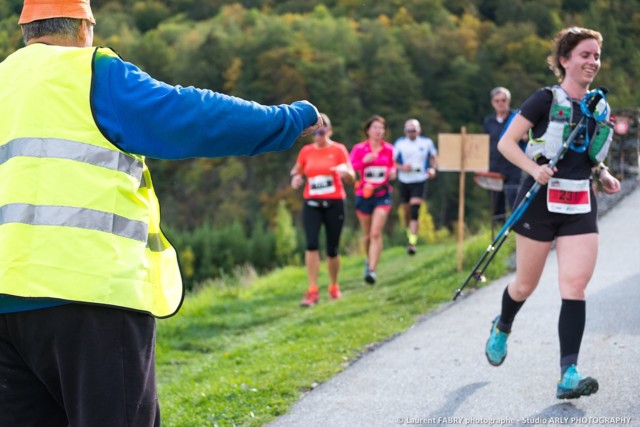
(144, 116)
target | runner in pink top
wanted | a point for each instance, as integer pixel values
(373, 161)
(375, 174)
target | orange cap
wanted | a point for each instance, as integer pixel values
(35, 10)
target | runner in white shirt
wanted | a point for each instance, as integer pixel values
(416, 160)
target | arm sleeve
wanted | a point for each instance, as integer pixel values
(356, 158)
(485, 124)
(302, 159)
(536, 110)
(392, 163)
(144, 116)
(397, 156)
(344, 155)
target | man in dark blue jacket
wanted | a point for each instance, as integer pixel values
(494, 124)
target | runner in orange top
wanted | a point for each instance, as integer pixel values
(325, 163)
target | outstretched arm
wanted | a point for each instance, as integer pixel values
(144, 116)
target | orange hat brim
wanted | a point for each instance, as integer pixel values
(35, 10)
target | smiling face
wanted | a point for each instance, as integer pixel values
(583, 62)
(573, 47)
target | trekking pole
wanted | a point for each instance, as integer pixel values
(591, 100)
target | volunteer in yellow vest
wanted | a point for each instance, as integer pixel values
(84, 266)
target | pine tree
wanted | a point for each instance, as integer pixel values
(285, 234)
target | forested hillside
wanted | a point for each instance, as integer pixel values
(433, 60)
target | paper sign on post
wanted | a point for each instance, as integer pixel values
(476, 153)
(452, 158)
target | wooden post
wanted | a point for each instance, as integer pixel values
(463, 134)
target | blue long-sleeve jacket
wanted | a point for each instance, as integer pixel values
(144, 116)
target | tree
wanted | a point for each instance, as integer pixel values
(148, 14)
(285, 233)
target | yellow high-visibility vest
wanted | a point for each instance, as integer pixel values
(79, 219)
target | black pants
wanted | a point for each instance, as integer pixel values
(328, 212)
(78, 365)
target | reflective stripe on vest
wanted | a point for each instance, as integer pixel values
(71, 150)
(65, 216)
(79, 219)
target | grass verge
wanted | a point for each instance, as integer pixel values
(243, 354)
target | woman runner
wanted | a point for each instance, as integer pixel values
(326, 164)
(373, 160)
(564, 209)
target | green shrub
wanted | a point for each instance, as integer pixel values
(285, 233)
(187, 258)
(230, 248)
(426, 230)
(262, 246)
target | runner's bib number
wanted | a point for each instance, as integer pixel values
(417, 168)
(375, 174)
(568, 196)
(416, 172)
(321, 184)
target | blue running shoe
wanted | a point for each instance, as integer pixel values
(572, 385)
(496, 349)
(370, 278)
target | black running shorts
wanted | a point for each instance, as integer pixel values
(538, 223)
(411, 190)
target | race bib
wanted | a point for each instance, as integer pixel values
(375, 174)
(568, 196)
(321, 184)
(417, 168)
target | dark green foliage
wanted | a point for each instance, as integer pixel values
(209, 252)
(261, 246)
(8, 7)
(286, 241)
(149, 14)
